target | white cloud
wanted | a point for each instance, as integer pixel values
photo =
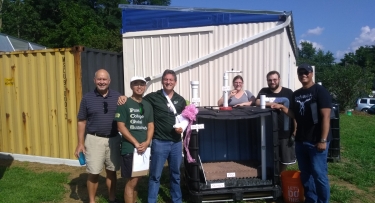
(316, 45)
(316, 31)
(340, 54)
(367, 37)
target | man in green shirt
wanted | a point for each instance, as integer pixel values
(135, 121)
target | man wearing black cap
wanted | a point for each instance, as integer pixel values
(311, 107)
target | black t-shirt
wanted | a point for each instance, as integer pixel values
(284, 92)
(301, 102)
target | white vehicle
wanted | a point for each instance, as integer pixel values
(363, 104)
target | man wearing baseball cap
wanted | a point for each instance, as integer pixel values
(311, 107)
(135, 121)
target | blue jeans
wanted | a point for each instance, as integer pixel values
(314, 172)
(160, 152)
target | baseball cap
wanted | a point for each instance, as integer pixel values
(137, 78)
(306, 67)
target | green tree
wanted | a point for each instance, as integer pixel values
(65, 23)
(347, 83)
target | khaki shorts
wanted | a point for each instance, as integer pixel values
(99, 151)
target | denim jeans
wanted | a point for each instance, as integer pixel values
(160, 152)
(314, 172)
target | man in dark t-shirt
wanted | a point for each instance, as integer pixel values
(311, 107)
(286, 148)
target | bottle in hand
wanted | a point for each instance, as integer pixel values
(82, 159)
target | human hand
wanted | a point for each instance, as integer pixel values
(321, 146)
(121, 100)
(79, 148)
(291, 140)
(142, 147)
(276, 106)
(179, 130)
(243, 104)
(232, 93)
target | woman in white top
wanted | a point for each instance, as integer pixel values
(238, 96)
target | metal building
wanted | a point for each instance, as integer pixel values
(9, 43)
(201, 44)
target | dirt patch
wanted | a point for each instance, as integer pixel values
(364, 194)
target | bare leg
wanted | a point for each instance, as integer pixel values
(92, 186)
(130, 192)
(111, 184)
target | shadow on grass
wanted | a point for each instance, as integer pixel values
(78, 188)
(6, 161)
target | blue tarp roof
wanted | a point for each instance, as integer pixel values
(145, 18)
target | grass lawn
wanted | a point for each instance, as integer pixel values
(352, 178)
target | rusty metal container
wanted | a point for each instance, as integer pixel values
(40, 95)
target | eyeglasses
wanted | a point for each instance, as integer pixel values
(237, 83)
(140, 83)
(105, 107)
(272, 80)
(141, 110)
(300, 73)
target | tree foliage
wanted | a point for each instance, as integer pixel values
(348, 80)
(65, 23)
(347, 83)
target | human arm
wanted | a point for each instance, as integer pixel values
(126, 134)
(294, 127)
(81, 126)
(230, 95)
(121, 100)
(325, 113)
(150, 132)
(284, 109)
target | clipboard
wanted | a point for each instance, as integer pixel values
(141, 163)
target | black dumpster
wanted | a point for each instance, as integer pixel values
(231, 163)
(334, 145)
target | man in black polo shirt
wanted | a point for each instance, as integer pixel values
(102, 142)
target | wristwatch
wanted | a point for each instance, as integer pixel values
(323, 140)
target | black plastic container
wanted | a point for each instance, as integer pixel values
(233, 137)
(334, 145)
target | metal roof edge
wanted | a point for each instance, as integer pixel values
(187, 9)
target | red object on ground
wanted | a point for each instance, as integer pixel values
(228, 108)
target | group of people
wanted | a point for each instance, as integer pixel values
(309, 136)
(140, 121)
(111, 121)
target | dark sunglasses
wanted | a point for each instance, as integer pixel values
(141, 110)
(300, 73)
(105, 107)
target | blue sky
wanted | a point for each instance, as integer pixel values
(339, 26)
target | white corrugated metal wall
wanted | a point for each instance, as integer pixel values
(149, 53)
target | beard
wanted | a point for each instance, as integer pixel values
(274, 87)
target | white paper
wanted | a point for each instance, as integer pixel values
(141, 162)
(182, 122)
